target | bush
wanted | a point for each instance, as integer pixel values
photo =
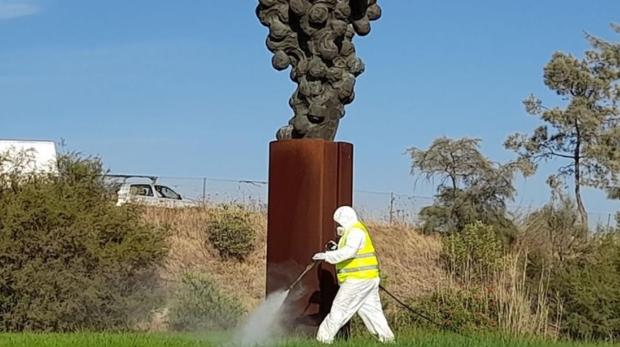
(69, 258)
(587, 293)
(553, 232)
(473, 254)
(231, 232)
(200, 305)
(450, 309)
(583, 270)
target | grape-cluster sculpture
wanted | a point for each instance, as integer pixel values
(315, 38)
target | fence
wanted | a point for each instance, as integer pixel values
(377, 206)
(389, 207)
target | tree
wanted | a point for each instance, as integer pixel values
(585, 131)
(471, 188)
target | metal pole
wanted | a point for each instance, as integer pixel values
(391, 207)
(204, 190)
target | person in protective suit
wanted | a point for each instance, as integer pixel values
(357, 269)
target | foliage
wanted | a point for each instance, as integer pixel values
(231, 231)
(455, 161)
(451, 309)
(473, 254)
(583, 270)
(585, 132)
(554, 232)
(200, 305)
(471, 187)
(613, 193)
(69, 258)
(588, 292)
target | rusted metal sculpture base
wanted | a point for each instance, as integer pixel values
(308, 180)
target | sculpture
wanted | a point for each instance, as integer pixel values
(315, 38)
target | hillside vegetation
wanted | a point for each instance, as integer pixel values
(410, 260)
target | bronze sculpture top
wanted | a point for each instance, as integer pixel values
(315, 38)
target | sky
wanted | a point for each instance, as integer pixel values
(186, 87)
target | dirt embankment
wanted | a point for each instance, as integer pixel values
(409, 260)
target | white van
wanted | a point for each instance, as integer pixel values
(32, 156)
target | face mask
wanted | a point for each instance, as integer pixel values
(339, 231)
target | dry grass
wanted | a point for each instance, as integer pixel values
(522, 310)
(191, 251)
(409, 259)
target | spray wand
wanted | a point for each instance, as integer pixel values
(409, 308)
(330, 246)
(303, 274)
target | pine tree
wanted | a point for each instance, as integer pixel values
(585, 130)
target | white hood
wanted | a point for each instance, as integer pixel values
(345, 216)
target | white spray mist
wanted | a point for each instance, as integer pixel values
(262, 326)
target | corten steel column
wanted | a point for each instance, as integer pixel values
(308, 180)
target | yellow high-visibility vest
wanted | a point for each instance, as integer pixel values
(365, 265)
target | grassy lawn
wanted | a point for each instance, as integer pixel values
(193, 340)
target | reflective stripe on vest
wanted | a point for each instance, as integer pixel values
(364, 266)
(361, 268)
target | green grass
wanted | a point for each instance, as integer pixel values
(418, 339)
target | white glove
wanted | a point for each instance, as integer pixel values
(318, 257)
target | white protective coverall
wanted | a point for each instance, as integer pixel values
(354, 296)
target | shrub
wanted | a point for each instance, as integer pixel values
(473, 254)
(587, 292)
(450, 309)
(69, 258)
(583, 270)
(231, 232)
(553, 232)
(200, 305)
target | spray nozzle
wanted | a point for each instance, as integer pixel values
(331, 246)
